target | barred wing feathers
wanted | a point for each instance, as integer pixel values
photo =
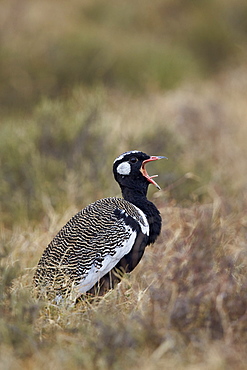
(89, 246)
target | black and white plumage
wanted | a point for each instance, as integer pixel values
(103, 240)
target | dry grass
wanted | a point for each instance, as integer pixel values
(185, 304)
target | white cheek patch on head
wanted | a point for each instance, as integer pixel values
(124, 168)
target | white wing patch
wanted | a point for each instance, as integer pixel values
(105, 262)
(95, 274)
(124, 168)
(144, 224)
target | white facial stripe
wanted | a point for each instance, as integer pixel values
(122, 155)
(124, 168)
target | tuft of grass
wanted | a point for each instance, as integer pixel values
(184, 305)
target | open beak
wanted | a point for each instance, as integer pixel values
(144, 171)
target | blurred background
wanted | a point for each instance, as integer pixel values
(83, 81)
(49, 48)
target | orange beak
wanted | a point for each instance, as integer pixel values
(144, 171)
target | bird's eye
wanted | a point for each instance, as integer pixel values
(133, 160)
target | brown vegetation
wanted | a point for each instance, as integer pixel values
(184, 306)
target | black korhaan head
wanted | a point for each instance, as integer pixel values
(130, 172)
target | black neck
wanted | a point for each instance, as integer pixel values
(139, 199)
(134, 195)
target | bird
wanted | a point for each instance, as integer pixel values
(106, 239)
